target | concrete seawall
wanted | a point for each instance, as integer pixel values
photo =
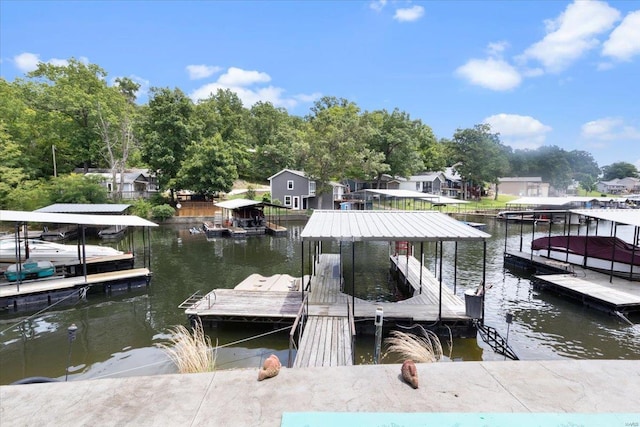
(236, 398)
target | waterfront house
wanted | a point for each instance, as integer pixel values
(619, 186)
(295, 190)
(425, 182)
(525, 186)
(136, 183)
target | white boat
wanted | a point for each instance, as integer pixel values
(40, 250)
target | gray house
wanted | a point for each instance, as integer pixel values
(296, 191)
(427, 182)
(136, 183)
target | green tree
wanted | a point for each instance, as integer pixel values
(582, 164)
(273, 138)
(335, 144)
(399, 139)
(166, 134)
(76, 188)
(619, 170)
(223, 114)
(479, 156)
(71, 93)
(208, 168)
(587, 183)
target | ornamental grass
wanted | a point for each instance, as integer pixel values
(420, 349)
(191, 351)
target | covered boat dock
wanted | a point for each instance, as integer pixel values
(605, 289)
(26, 294)
(433, 302)
(244, 217)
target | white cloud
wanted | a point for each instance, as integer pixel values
(26, 62)
(624, 41)
(492, 73)
(239, 77)
(609, 129)
(409, 14)
(58, 62)
(495, 49)
(247, 85)
(306, 98)
(201, 71)
(520, 132)
(378, 5)
(572, 34)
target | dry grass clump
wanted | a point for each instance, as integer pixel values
(192, 353)
(420, 349)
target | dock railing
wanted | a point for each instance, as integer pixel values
(298, 327)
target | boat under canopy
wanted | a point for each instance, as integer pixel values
(596, 252)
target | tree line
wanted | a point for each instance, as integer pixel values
(60, 118)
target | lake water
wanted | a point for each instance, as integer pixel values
(118, 335)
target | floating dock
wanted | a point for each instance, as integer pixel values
(36, 293)
(274, 299)
(613, 295)
(327, 316)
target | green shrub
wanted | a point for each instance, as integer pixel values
(142, 208)
(162, 212)
(251, 192)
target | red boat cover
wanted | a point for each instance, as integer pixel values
(591, 246)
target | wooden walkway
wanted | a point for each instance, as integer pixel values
(327, 339)
(429, 291)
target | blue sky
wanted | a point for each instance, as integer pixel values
(540, 72)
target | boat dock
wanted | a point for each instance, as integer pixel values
(597, 290)
(76, 277)
(274, 299)
(34, 293)
(213, 229)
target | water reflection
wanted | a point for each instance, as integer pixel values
(117, 335)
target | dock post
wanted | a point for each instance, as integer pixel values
(378, 345)
(71, 332)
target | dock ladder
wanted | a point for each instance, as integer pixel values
(491, 336)
(191, 301)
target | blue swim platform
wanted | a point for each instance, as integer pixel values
(421, 419)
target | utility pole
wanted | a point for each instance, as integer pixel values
(53, 152)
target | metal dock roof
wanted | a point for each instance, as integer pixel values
(387, 226)
(410, 194)
(85, 208)
(561, 201)
(621, 216)
(83, 219)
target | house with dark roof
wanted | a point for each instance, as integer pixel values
(619, 186)
(295, 190)
(136, 183)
